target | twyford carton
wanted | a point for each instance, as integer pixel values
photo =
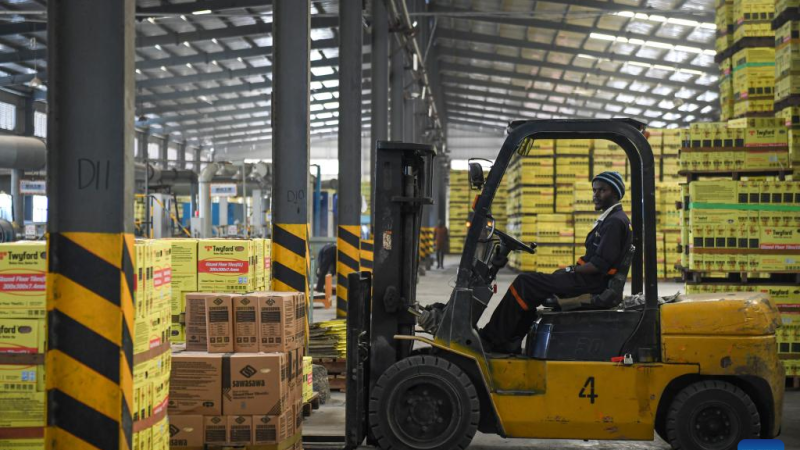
(196, 322)
(196, 384)
(24, 336)
(22, 279)
(277, 311)
(22, 409)
(245, 323)
(219, 323)
(223, 265)
(254, 384)
(185, 431)
(240, 430)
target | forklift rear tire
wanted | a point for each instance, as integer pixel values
(711, 415)
(424, 403)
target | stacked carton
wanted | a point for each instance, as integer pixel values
(753, 58)
(22, 333)
(242, 384)
(736, 145)
(669, 226)
(726, 95)
(608, 156)
(151, 343)
(725, 25)
(460, 206)
(555, 236)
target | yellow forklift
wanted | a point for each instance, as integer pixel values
(703, 373)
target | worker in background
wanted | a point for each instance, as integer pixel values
(326, 264)
(442, 240)
(606, 246)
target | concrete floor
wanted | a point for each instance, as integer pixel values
(436, 286)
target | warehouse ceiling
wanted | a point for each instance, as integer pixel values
(204, 67)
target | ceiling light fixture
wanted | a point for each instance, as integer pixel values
(202, 12)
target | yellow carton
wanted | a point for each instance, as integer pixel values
(22, 444)
(184, 271)
(25, 336)
(22, 279)
(24, 378)
(223, 265)
(22, 409)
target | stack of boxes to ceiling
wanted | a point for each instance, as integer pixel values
(753, 58)
(787, 74)
(22, 341)
(499, 205)
(572, 165)
(668, 194)
(584, 215)
(151, 343)
(242, 383)
(725, 30)
(750, 227)
(460, 206)
(670, 151)
(530, 192)
(655, 138)
(555, 235)
(608, 156)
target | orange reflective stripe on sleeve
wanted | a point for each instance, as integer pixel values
(581, 261)
(521, 302)
(612, 271)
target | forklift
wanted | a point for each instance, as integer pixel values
(703, 373)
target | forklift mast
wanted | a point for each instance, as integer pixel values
(403, 185)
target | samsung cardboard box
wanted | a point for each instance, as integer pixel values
(245, 324)
(196, 384)
(277, 314)
(219, 324)
(254, 384)
(215, 430)
(196, 340)
(270, 430)
(240, 430)
(185, 431)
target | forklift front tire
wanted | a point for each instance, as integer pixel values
(711, 415)
(424, 403)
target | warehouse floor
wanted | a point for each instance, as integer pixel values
(436, 286)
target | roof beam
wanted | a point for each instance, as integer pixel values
(555, 26)
(465, 36)
(10, 29)
(190, 7)
(496, 57)
(200, 128)
(467, 69)
(473, 92)
(462, 120)
(463, 104)
(610, 7)
(196, 93)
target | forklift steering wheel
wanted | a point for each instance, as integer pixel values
(514, 244)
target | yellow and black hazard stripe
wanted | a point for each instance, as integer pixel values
(348, 245)
(367, 255)
(290, 258)
(89, 360)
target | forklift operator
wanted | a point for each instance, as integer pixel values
(606, 246)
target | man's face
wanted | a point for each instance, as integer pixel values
(604, 196)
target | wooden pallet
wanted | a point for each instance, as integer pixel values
(337, 382)
(793, 382)
(334, 366)
(311, 404)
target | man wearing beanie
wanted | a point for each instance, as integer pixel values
(606, 246)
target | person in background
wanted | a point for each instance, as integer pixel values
(441, 240)
(326, 264)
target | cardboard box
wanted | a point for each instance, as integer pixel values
(196, 339)
(272, 429)
(196, 384)
(161, 435)
(22, 279)
(246, 323)
(277, 310)
(184, 264)
(215, 430)
(22, 335)
(240, 430)
(185, 431)
(254, 384)
(219, 323)
(22, 444)
(22, 409)
(223, 265)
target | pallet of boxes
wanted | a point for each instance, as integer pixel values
(239, 381)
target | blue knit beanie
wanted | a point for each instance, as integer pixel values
(614, 179)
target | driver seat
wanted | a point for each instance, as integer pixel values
(609, 298)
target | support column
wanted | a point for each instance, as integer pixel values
(379, 125)
(17, 200)
(163, 152)
(182, 156)
(348, 240)
(90, 305)
(290, 131)
(396, 81)
(198, 152)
